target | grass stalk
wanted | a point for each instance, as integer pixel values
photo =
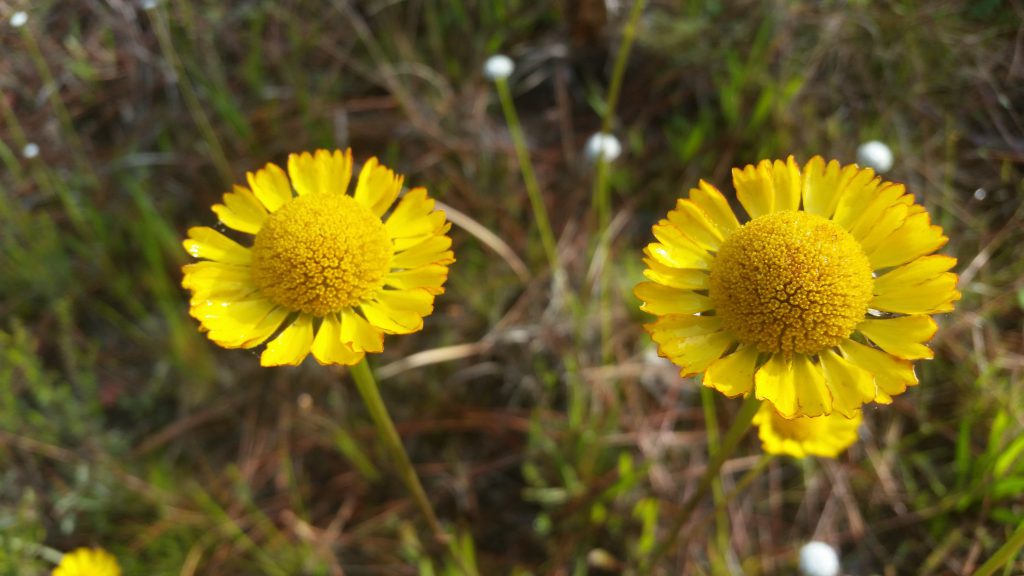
(732, 439)
(163, 35)
(1005, 554)
(59, 110)
(602, 189)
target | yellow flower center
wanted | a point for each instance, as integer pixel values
(321, 253)
(791, 282)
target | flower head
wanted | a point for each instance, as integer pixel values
(336, 271)
(820, 303)
(602, 145)
(875, 155)
(825, 436)
(818, 559)
(498, 67)
(87, 562)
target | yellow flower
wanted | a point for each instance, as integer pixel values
(825, 436)
(819, 303)
(336, 271)
(87, 562)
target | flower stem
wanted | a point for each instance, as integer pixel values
(602, 190)
(367, 386)
(732, 439)
(540, 212)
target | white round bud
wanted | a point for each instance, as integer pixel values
(602, 145)
(498, 67)
(875, 155)
(30, 151)
(818, 559)
(18, 19)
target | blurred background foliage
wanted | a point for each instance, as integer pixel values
(121, 426)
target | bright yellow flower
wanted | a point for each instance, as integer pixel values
(825, 436)
(819, 303)
(87, 562)
(336, 271)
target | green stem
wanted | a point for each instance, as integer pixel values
(602, 189)
(732, 439)
(619, 69)
(540, 212)
(1005, 554)
(367, 386)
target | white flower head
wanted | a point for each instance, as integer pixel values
(30, 151)
(602, 145)
(818, 559)
(498, 67)
(875, 155)
(18, 19)
(149, 4)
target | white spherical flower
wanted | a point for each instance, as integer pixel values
(18, 19)
(149, 4)
(818, 559)
(602, 145)
(498, 67)
(30, 151)
(875, 155)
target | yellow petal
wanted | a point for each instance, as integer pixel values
(210, 280)
(430, 278)
(359, 334)
(241, 211)
(391, 320)
(774, 382)
(328, 348)
(240, 323)
(871, 210)
(675, 327)
(433, 250)
(694, 354)
(888, 222)
(786, 182)
(325, 172)
(851, 385)
(857, 191)
(378, 187)
(414, 216)
(915, 238)
(932, 296)
(693, 222)
(892, 375)
(207, 243)
(686, 279)
(823, 185)
(680, 251)
(903, 337)
(812, 395)
(660, 300)
(262, 330)
(733, 375)
(713, 203)
(755, 188)
(914, 273)
(270, 185)
(418, 301)
(292, 345)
